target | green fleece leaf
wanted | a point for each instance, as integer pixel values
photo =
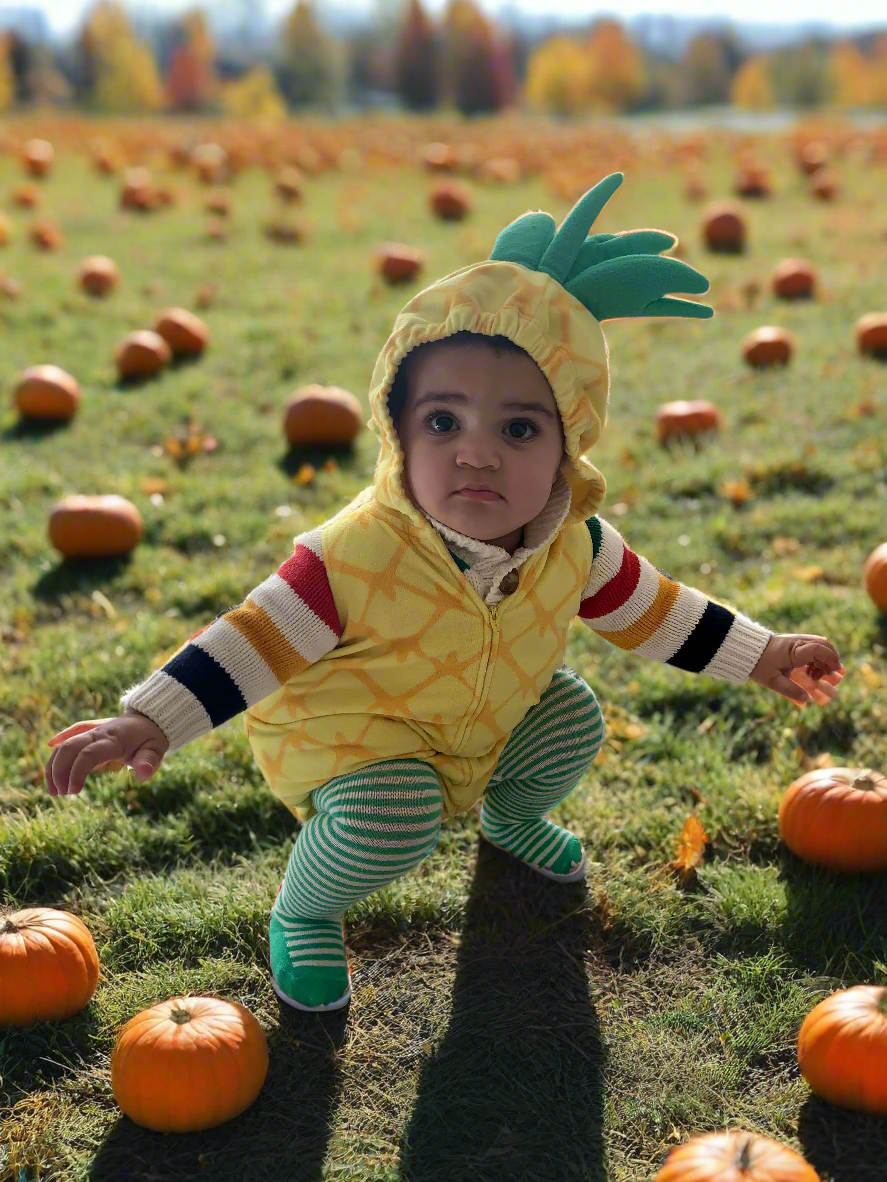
(634, 285)
(525, 240)
(561, 254)
(600, 247)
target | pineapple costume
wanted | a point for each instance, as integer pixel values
(394, 672)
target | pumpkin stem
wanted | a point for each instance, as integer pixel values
(865, 778)
(744, 1159)
(180, 1016)
(9, 926)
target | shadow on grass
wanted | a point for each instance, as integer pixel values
(841, 1145)
(514, 1089)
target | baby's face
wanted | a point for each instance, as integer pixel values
(457, 429)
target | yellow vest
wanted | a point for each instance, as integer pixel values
(424, 668)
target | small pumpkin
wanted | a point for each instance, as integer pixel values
(842, 1048)
(398, 263)
(837, 817)
(188, 1063)
(48, 965)
(871, 334)
(723, 228)
(47, 392)
(825, 184)
(502, 170)
(794, 279)
(321, 415)
(141, 354)
(753, 180)
(137, 191)
(735, 1156)
(46, 235)
(37, 156)
(438, 157)
(694, 187)
(185, 333)
(26, 196)
(768, 345)
(812, 156)
(101, 526)
(210, 162)
(98, 275)
(686, 417)
(288, 185)
(874, 577)
(5, 229)
(450, 201)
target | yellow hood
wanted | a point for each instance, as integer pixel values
(537, 313)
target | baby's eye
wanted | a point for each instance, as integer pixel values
(442, 414)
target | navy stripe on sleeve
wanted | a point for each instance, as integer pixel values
(705, 639)
(210, 684)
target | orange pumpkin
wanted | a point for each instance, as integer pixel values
(321, 415)
(189, 1063)
(503, 170)
(450, 201)
(812, 156)
(47, 392)
(439, 157)
(102, 526)
(185, 333)
(288, 185)
(48, 965)
(98, 275)
(37, 156)
(825, 184)
(871, 334)
(686, 417)
(5, 229)
(398, 263)
(26, 197)
(753, 180)
(768, 345)
(723, 228)
(794, 279)
(874, 576)
(46, 235)
(735, 1156)
(137, 191)
(842, 1048)
(837, 817)
(141, 354)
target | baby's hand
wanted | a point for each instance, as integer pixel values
(802, 668)
(133, 739)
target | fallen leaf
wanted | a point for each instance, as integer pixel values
(691, 846)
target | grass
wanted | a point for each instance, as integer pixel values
(502, 1026)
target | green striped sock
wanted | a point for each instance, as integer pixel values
(371, 827)
(540, 843)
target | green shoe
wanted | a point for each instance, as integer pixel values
(296, 947)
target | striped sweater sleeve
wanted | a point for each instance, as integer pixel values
(285, 624)
(641, 609)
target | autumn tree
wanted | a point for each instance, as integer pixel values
(707, 67)
(558, 77)
(475, 80)
(191, 83)
(800, 73)
(311, 63)
(254, 97)
(879, 71)
(617, 78)
(117, 71)
(7, 78)
(751, 88)
(416, 62)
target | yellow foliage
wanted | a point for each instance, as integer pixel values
(751, 88)
(7, 81)
(558, 77)
(254, 96)
(618, 77)
(126, 73)
(879, 71)
(852, 76)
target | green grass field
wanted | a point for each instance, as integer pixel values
(503, 1027)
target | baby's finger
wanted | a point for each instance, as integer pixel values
(76, 728)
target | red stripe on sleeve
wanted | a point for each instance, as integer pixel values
(306, 574)
(616, 591)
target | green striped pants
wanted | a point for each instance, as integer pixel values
(373, 826)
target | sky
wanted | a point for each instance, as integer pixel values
(64, 15)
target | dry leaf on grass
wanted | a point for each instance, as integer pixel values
(691, 847)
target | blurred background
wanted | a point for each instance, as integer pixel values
(752, 64)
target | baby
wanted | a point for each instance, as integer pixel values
(405, 664)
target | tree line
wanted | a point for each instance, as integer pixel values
(462, 62)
